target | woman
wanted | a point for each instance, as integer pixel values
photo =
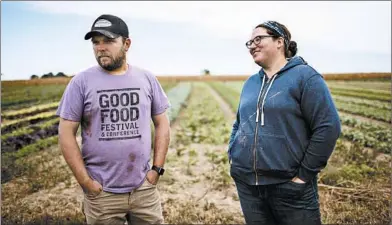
(285, 131)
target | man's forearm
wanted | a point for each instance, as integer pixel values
(73, 157)
(161, 144)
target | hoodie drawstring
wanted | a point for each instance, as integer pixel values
(262, 104)
(258, 100)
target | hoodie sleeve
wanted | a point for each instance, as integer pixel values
(235, 128)
(321, 114)
(237, 120)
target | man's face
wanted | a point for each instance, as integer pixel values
(110, 53)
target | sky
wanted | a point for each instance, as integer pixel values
(183, 38)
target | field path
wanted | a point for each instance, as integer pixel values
(190, 189)
(229, 114)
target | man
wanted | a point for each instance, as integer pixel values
(114, 103)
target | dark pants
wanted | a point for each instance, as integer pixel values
(286, 203)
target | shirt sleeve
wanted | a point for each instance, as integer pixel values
(160, 101)
(72, 101)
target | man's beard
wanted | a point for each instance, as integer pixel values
(116, 63)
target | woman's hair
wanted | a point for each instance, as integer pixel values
(280, 30)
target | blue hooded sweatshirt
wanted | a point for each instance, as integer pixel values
(286, 126)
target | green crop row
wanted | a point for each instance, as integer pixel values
(369, 112)
(177, 97)
(39, 145)
(203, 121)
(357, 136)
(374, 85)
(228, 93)
(30, 129)
(10, 165)
(29, 109)
(36, 94)
(363, 102)
(11, 125)
(366, 134)
(366, 90)
(360, 94)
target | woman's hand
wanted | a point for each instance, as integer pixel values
(297, 180)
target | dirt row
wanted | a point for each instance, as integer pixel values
(18, 116)
(18, 125)
(14, 143)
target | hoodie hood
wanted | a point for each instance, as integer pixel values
(292, 62)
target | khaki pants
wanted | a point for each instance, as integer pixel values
(142, 206)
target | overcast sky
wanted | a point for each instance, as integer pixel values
(183, 38)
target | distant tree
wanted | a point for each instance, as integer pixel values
(206, 72)
(48, 75)
(61, 74)
(34, 77)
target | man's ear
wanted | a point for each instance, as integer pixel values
(127, 44)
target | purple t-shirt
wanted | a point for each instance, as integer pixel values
(115, 115)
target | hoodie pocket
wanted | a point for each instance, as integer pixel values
(240, 150)
(231, 146)
(275, 157)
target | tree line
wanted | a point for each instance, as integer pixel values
(48, 75)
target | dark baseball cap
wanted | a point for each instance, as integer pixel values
(108, 25)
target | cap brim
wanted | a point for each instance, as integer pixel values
(100, 32)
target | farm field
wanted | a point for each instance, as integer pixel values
(38, 186)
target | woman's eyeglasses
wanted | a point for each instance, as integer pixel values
(257, 40)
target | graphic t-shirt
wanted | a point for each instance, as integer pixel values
(115, 113)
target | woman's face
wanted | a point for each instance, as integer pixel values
(262, 46)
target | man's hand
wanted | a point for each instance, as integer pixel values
(93, 187)
(161, 144)
(152, 177)
(297, 180)
(72, 155)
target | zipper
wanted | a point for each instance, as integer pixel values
(262, 94)
(254, 154)
(256, 130)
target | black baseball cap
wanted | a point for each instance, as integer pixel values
(109, 25)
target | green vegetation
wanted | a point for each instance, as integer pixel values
(368, 135)
(354, 187)
(16, 97)
(177, 96)
(228, 92)
(367, 111)
(363, 102)
(362, 93)
(15, 114)
(197, 125)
